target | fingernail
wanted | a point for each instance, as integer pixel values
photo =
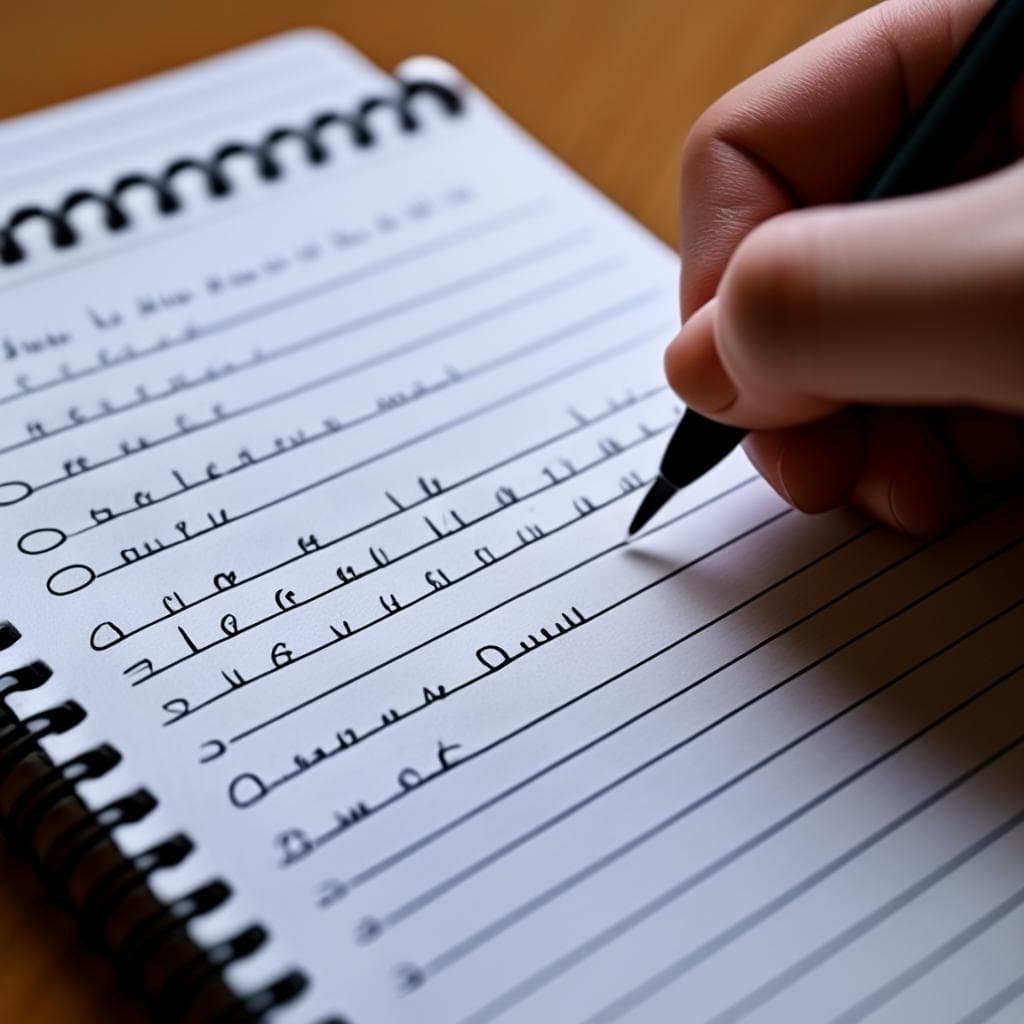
(894, 509)
(922, 515)
(780, 476)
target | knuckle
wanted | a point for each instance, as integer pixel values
(704, 137)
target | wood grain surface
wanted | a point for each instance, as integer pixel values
(611, 86)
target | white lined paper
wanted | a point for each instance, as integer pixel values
(362, 616)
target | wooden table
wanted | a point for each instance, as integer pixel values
(610, 85)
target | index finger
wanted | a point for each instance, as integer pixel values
(810, 128)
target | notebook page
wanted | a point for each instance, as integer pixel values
(319, 509)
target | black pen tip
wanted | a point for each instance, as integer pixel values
(655, 499)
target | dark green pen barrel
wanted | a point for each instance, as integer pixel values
(980, 78)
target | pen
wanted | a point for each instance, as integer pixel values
(983, 72)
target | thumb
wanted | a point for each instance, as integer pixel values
(903, 302)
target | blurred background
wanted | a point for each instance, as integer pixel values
(611, 86)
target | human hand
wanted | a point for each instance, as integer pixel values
(876, 350)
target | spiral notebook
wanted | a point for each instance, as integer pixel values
(332, 689)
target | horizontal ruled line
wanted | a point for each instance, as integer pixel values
(439, 889)
(518, 213)
(678, 968)
(412, 506)
(519, 302)
(261, 359)
(856, 931)
(550, 973)
(554, 338)
(895, 986)
(407, 553)
(272, 720)
(381, 866)
(996, 1003)
(473, 680)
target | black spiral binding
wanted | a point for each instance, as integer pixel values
(358, 123)
(39, 805)
(108, 892)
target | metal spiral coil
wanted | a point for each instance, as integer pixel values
(161, 185)
(108, 892)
